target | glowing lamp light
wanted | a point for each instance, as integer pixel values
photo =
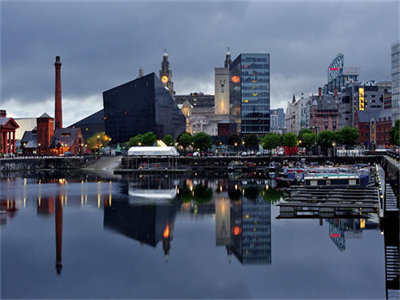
(237, 230)
(235, 79)
(166, 232)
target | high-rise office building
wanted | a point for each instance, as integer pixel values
(395, 82)
(250, 92)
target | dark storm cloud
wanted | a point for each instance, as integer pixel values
(103, 44)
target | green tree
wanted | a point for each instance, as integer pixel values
(271, 140)
(250, 140)
(202, 141)
(347, 136)
(290, 139)
(202, 194)
(325, 139)
(149, 138)
(185, 195)
(302, 132)
(97, 141)
(271, 195)
(394, 138)
(137, 140)
(234, 140)
(169, 140)
(309, 139)
(185, 140)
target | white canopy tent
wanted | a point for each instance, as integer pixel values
(152, 151)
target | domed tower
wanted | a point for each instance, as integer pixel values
(166, 74)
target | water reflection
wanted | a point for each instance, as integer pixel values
(153, 211)
(342, 229)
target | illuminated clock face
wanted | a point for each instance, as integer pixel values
(164, 79)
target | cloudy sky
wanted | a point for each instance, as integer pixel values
(102, 44)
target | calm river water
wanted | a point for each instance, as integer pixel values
(175, 237)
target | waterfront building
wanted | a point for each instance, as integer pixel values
(67, 140)
(8, 126)
(324, 113)
(291, 116)
(166, 74)
(250, 92)
(139, 106)
(339, 76)
(91, 124)
(45, 133)
(29, 142)
(199, 111)
(221, 87)
(395, 81)
(277, 119)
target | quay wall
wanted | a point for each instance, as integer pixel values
(223, 161)
(44, 163)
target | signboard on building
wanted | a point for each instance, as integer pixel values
(361, 100)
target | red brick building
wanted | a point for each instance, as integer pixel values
(374, 128)
(45, 133)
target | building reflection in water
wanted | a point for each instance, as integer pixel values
(248, 216)
(59, 231)
(147, 216)
(342, 229)
(8, 208)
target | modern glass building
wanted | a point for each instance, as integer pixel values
(250, 92)
(139, 106)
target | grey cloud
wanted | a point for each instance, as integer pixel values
(103, 44)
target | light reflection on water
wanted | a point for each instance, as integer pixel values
(177, 237)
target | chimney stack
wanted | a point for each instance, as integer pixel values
(319, 92)
(58, 106)
(335, 92)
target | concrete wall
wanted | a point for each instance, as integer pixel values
(47, 163)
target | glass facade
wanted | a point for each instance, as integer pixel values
(250, 92)
(140, 106)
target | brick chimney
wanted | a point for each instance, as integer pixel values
(58, 106)
(319, 92)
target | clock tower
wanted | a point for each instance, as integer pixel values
(166, 74)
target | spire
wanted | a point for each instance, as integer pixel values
(165, 52)
(140, 72)
(294, 98)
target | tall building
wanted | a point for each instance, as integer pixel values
(45, 133)
(166, 74)
(221, 87)
(395, 81)
(339, 75)
(140, 106)
(250, 92)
